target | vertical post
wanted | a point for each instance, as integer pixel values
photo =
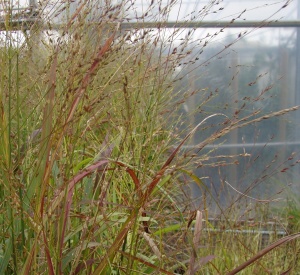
(297, 88)
(191, 103)
(297, 97)
(233, 136)
(284, 92)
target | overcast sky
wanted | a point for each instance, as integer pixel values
(256, 9)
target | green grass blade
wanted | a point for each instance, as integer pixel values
(6, 257)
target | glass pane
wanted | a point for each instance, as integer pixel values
(225, 10)
(257, 74)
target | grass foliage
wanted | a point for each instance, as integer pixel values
(92, 176)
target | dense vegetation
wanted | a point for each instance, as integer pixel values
(94, 173)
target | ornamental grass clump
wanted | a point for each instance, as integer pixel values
(94, 177)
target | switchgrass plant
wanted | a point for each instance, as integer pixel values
(94, 178)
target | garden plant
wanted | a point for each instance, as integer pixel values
(95, 171)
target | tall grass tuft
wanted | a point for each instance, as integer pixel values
(94, 178)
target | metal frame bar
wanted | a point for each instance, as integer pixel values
(26, 23)
(212, 24)
(244, 145)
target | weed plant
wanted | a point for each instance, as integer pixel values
(93, 178)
